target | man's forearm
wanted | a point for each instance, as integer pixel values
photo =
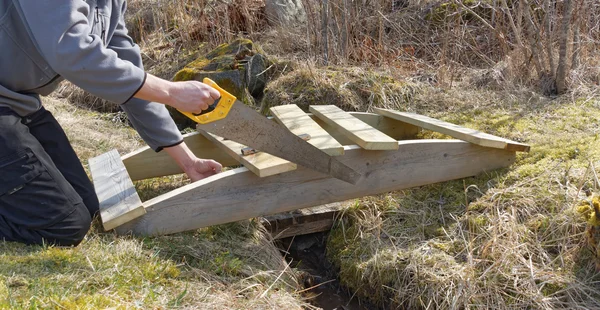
(182, 155)
(155, 89)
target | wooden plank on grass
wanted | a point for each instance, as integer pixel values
(262, 164)
(239, 194)
(292, 117)
(358, 131)
(455, 131)
(119, 201)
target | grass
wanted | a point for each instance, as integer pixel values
(511, 239)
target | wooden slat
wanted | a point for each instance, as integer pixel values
(262, 164)
(358, 131)
(292, 117)
(396, 129)
(119, 201)
(455, 131)
(239, 194)
(304, 221)
(145, 163)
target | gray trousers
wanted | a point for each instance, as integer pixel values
(45, 194)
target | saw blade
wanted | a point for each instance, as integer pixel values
(246, 126)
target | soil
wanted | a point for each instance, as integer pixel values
(307, 254)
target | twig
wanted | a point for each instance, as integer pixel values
(272, 284)
(310, 288)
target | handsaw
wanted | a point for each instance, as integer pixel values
(231, 119)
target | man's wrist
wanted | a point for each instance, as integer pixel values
(182, 155)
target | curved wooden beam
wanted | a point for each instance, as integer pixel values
(239, 194)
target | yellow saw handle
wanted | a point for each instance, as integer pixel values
(220, 109)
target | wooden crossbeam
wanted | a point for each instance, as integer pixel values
(145, 163)
(239, 194)
(304, 221)
(455, 131)
(292, 117)
(262, 164)
(119, 201)
(358, 131)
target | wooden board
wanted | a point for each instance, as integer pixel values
(239, 194)
(119, 201)
(455, 131)
(396, 129)
(292, 117)
(304, 221)
(145, 163)
(358, 131)
(262, 164)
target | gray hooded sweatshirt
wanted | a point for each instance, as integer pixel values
(85, 42)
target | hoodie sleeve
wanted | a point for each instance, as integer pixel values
(61, 31)
(151, 120)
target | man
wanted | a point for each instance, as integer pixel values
(45, 195)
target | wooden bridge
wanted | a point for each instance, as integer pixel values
(383, 147)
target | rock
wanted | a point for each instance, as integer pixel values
(285, 12)
(256, 75)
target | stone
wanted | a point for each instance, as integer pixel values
(256, 75)
(285, 12)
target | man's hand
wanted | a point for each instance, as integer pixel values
(195, 168)
(188, 96)
(192, 96)
(203, 168)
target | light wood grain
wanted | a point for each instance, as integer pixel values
(292, 117)
(262, 164)
(358, 131)
(239, 194)
(119, 201)
(145, 163)
(455, 131)
(391, 127)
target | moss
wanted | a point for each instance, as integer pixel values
(185, 74)
(591, 211)
(239, 47)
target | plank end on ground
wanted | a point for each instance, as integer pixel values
(119, 200)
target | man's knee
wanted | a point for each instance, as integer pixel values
(70, 231)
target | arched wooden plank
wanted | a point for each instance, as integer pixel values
(239, 194)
